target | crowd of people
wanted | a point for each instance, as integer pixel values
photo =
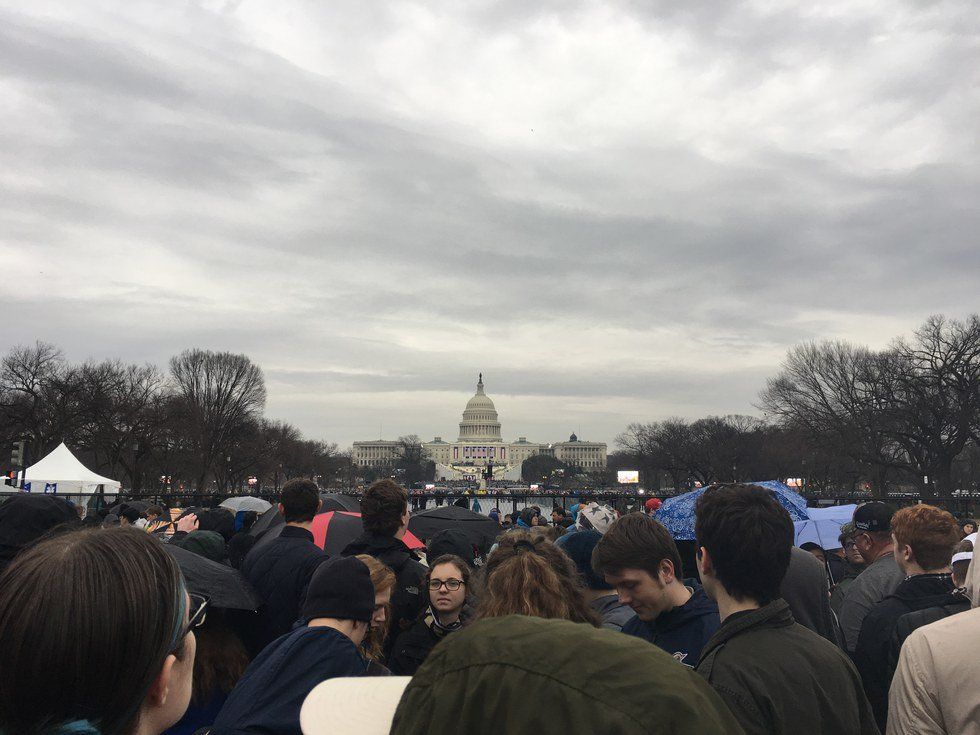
(574, 621)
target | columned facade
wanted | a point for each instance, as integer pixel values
(480, 445)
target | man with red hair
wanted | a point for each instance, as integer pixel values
(924, 538)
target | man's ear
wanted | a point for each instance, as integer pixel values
(905, 552)
(157, 694)
(704, 562)
(319, 505)
(282, 511)
(667, 572)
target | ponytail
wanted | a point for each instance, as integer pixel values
(531, 576)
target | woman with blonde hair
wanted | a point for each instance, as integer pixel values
(383, 580)
(529, 575)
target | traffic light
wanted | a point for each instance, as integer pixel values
(17, 455)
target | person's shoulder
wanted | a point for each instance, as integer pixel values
(317, 642)
(863, 587)
(880, 611)
(763, 642)
(637, 628)
(811, 640)
(961, 625)
(417, 634)
(700, 604)
(885, 567)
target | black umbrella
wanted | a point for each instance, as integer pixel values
(272, 518)
(480, 529)
(332, 531)
(141, 505)
(226, 587)
(339, 501)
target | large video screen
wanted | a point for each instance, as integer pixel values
(628, 477)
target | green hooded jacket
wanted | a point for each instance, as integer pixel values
(521, 674)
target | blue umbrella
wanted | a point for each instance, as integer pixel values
(822, 532)
(677, 513)
(823, 526)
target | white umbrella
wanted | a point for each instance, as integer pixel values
(246, 502)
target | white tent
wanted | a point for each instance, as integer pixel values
(61, 473)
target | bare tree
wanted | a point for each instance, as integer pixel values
(220, 395)
(837, 393)
(125, 416)
(40, 396)
(934, 404)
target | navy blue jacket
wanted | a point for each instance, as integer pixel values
(269, 696)
(280, 572)
(682, 631)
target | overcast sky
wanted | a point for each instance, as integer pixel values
(618, 211)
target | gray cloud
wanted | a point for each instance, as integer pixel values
(621, 211)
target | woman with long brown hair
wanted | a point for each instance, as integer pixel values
(383, 580)
(529, 575)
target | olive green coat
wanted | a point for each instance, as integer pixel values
(520, 674)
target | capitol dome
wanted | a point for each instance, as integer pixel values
(479, 418)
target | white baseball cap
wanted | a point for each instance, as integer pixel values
(363, 705)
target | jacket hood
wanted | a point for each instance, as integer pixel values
(390, 550)
(698, 606)
(589, 677)
(208, 544)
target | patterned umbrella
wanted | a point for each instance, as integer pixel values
(677, 513)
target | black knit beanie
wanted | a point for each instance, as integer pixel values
(341, 589)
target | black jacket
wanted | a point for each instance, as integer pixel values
(239, 546)
(269, 696)
(413, 646)
(872, 654)
(280, 572)
(956, 602)
(408, 597)
(778, 677)
(682, 631)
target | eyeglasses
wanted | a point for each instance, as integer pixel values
(451, 584)
(198, 614)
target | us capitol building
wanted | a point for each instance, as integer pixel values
(480, 444)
